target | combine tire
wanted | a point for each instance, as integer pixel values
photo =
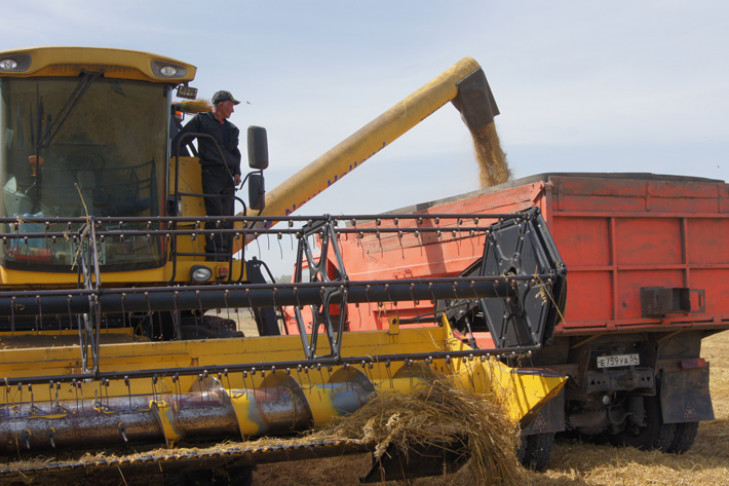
(535, 450)
(191, 478)
(211, 327)
(231, 476)
(684, 437)
(656, 435)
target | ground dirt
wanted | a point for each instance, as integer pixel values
(573, 462)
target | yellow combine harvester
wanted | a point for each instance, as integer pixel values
(105, 286)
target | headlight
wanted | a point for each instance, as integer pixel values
(200, 273)
(8, 64)
(166, 69)
(14, 63)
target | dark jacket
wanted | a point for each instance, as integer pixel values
(226, 134)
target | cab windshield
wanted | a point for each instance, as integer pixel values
(76, 147)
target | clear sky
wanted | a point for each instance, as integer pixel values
(622, 86)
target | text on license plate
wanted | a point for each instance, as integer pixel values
(618, 360)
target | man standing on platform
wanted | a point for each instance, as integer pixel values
(220, 161)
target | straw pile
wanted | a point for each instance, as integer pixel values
(491, 159)
(440, 413)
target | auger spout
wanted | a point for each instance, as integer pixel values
(464, 84)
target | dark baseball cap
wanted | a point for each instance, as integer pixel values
(222, 95)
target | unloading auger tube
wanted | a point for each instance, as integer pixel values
(175, 391)
(464, 84)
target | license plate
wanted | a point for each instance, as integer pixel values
(618, 360)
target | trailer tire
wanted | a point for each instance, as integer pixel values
(684, 437)
(656, 435)
(535, 450)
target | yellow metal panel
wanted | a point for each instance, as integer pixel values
(51, 279)
(190, 181)
(522, 393)
(23, 278)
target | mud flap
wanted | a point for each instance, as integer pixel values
(549, 419)
(685, 395)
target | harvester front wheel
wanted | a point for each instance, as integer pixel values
(210, 327)
(190, 478)
(231, 476)
(240, 476)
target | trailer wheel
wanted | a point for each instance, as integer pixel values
(535, 450)
(684, 437)
(656, 435)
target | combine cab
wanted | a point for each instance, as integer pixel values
(107, 343)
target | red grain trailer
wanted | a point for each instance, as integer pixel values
(647, 275)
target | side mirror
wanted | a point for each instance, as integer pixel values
(257, 148)
(256, 192)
